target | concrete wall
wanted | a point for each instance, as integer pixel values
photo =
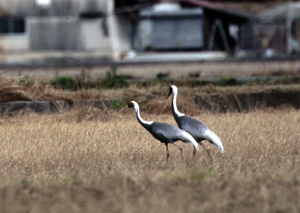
(57, 33)
(14, 43)
(54, 33)
(120, 35)
(93, 35)
(123, 26)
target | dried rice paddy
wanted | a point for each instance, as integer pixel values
(95, 161)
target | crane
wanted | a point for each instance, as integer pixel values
(197, 129)
(165, 133)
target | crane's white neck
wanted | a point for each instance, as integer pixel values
(175, 110)
(137, 110)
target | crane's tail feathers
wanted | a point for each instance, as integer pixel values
(215, 140)
(190, 139)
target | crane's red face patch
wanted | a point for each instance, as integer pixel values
(130, 105)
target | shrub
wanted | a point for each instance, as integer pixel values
(226, 81)
(65, 82)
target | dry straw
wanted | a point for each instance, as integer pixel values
(109, 163)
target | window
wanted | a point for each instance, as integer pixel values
(12, 25)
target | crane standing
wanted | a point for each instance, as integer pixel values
(165, 133)
(197, 129)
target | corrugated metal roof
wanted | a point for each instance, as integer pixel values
(193, 3)
(281, 13)
(216, 7)
(204, 4)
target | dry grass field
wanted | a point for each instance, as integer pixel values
(86, 160)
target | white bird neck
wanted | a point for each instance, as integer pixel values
(174, 105)
(142, 121)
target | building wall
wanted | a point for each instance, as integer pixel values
(119, 41)
(68, 25)
(54, 33)
(176, 29)
(171, 33)
(123, 26)
(14, 43)
(63, 25)
(94, 35)
(143, 40)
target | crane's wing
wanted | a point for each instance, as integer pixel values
(214, 139)
(199, 131)
(165, 132)
(170, 133)
(192, 126)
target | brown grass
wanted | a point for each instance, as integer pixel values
(32, 90)
(94, 162)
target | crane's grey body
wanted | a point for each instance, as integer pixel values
(194, 127)
(165, 133)
(197, 129)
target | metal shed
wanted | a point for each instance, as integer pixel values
(223, 29)
(276, 31)
(284, 30)
(170, 29)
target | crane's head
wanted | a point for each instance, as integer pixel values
(131, 104)
(172, 89)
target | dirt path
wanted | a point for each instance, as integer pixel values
(195, 70)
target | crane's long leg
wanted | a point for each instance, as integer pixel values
(179, 149)
(207, 150)
(168, 154)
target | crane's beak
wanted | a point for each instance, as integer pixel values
(170, 92)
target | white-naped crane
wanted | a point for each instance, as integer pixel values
(165, 133)
(197, 129)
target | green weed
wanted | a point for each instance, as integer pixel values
(65, 82)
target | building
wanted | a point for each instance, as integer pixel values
(275, 32)
(187, 25)
(223, 28)
(114, 30)
(43, 25)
